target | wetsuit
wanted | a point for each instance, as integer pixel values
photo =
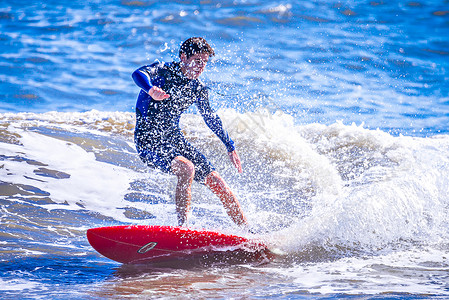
(157, 135)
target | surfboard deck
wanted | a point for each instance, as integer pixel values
(146, 244)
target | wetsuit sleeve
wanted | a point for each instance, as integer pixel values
(147, 76)
(213, 121)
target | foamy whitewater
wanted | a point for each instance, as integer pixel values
(339, 111)
(342, 202)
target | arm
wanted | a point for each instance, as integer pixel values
(148, 80)
(143, 77)
(213, 121)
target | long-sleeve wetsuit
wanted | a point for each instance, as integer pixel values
(157, 135)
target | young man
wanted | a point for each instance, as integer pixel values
(167, 90)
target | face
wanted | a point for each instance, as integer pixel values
(193, 66)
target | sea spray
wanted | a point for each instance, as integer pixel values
(398, 198)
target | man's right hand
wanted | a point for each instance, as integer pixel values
(157, 93)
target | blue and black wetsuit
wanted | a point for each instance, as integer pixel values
(157, 135)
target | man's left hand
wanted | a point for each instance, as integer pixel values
(235, 159)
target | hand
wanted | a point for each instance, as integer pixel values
(235, 159)
(157, 93)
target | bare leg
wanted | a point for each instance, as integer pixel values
(185, 171)
(227, 197)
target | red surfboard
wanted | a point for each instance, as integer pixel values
(161, 244)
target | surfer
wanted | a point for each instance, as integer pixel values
(167, 90)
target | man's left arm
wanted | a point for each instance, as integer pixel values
(214, 122)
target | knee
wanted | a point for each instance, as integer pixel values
(183, 168)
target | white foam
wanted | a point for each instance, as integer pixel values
(403, 199)
(17, 285)
(400, 193)
(412, 271)
(95, 185)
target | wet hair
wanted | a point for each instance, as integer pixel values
(196, 45)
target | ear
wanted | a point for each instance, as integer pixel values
(183, 57)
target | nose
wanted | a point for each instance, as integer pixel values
(201, 64)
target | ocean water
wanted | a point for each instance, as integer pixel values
(339, 111)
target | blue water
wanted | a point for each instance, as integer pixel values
(384, 64)
(339, 110)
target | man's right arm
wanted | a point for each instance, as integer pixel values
(147, 79)
(143, 77)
